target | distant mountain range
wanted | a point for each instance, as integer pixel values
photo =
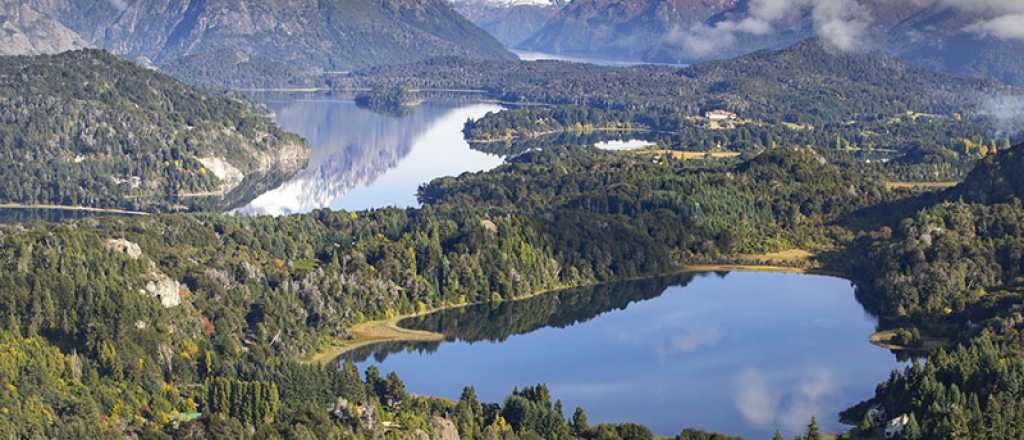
(311, 35)
(510, 21)
(978, 38)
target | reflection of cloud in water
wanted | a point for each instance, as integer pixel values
(695, 339)
(755, 401)
(764, 406)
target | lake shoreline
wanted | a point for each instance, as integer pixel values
(71, 208)
(388, 330)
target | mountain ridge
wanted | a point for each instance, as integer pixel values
(311, 35)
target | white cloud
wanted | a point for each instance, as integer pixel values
(1006, 27)
(841, 23)
(1006, 110)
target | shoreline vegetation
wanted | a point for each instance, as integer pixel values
(388, 330)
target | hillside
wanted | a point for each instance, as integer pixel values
(130, 138)
(308, 35)
(957, 37)
(770, 84)
(997, 179)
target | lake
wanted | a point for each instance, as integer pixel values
(743, 353)
(361, 159)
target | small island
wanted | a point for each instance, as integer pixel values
(389, 99)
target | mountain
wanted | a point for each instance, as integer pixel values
(510, 21)
(128, 137)
(26, 31)
(315, 35)
(966, 38)
(625, 29)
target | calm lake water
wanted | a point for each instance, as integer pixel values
(741, 353)
(362, 159)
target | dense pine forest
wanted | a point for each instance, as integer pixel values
(130, 138)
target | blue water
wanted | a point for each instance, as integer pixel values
(362, 159)
(742, 353)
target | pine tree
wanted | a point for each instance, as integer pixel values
(579, 421)
(812, 430)
(912, 431)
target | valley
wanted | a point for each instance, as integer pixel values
(486, 220)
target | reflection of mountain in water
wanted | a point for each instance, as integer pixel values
(352, 147)
(498, 321)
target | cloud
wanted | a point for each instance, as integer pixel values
(1007, 111)
(841, 24)
(1006, 27)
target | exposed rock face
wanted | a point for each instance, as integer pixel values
(26, 31)
(126, 247)
(158, 284)
(229, 175)
(444, 429)
(162, 287)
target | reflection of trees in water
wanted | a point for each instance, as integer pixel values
(23, 215)
(498, 321)
(561, 139)
(349, 146)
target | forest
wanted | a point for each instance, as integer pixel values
(89, 297)
(129, 138)
(86, 298)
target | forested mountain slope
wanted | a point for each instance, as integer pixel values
(807, 81)
(86, 128)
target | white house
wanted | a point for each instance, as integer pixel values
(719, 115)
